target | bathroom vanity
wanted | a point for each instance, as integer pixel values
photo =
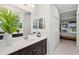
(36, 46)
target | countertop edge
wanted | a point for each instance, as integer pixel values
(16, 46)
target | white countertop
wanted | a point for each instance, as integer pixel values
(17, 44)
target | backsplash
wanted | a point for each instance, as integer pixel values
(13, 35)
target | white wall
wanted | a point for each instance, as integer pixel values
(53, 39)
(51, 15)
(77, 27)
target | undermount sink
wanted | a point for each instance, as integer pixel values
(3, 43)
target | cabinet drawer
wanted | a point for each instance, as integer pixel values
(44, 48)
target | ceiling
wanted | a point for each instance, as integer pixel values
(67, 11)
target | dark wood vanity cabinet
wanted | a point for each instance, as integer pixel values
(26, 51)
(44, 48)
(39, 48)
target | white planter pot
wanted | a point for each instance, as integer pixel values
(7, 38)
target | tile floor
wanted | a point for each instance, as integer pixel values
(66, 47)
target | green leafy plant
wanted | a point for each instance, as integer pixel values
(9, 20)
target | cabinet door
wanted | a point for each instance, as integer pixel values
(26, 51)
(44, 47)
(37, 50)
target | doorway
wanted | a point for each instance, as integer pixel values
(67, 29)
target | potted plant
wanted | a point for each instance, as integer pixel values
(8, 23)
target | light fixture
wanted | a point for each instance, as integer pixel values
(30, 5)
